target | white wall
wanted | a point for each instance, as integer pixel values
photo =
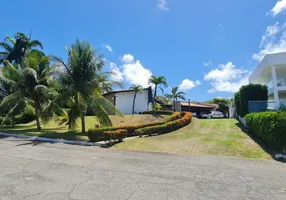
(124, 102)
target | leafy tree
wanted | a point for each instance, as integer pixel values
(176, 94)
(137, 89)
(16, 49)
(222, 102)
(29, 85)
(157, 81)
(80, 81)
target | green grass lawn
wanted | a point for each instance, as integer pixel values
(54, 130)
(207, 137)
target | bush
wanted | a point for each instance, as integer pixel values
(158, 112)
(26, 116)
(251, 92)
(269, 126)
(119, 135)
(167, 127)
(97, 134)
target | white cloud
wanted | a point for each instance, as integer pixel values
(273, 41)
(117, 76)
(131, 71)
(209, 63)
(227, 78)
(127, 58)
(109, 48)
(162, 4)
(188, 84)
(279, 7)
(135, 73)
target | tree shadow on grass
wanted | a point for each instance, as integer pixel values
(270, 149)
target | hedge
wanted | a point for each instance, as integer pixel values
(96, 134)
(269, 126)
(167, 127)
(158, 112)
(251, 92)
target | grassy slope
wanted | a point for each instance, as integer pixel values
(209, 137)
(54, 130)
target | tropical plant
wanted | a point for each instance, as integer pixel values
(157, 81)
(105, 84)
(222, 102)
(137, 89)
(16, 49)
(29, 85)
(176, 94)
(80, 82)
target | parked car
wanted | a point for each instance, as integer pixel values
(215, 114)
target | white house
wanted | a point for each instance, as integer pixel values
(123, 100)
(272, 72)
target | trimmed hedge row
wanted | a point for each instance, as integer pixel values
(269, 126)
(96, 134)
(167, 127)
(158, 112)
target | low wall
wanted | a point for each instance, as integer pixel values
(242, 120)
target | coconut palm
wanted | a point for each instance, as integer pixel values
(29, 85)
(105, 84)
(16, 49)
(80, 84)
(157, 81)
(137, 89)
(176, 94)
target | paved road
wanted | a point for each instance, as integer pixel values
(59, 171)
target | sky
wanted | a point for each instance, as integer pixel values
(208, 48)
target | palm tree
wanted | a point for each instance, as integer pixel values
(157, 81)
(105, 84)
(16, 49)
(176, 95)
(30, 85)
(80, 84)
(136, 88)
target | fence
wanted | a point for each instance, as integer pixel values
(258, 106)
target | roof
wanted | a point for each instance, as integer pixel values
(197, 104)
(200, 105)
(121, 91)
(262, 73)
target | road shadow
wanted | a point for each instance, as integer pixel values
(270, 149)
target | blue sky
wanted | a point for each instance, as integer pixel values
(207, 47)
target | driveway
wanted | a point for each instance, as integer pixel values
(59, 171)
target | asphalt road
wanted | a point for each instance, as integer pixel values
(59, 171)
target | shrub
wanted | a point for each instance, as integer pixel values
(167, 127)
(269, 126)
(97, 134)
(157, 107)
(158, 112)
(119, 135)
(251, 92)
(26, 116)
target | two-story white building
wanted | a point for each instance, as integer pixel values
(272, 72)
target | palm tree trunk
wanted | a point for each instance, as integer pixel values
(134, 103)
(174, 105)
(37, 117)
(82, 124)
(155, 94)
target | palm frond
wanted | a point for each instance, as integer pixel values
(12, 40)
(35, 43)
(6, 46)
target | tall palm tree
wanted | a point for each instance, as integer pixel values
(137, 89)
(157, 81)
(105, 84)
(30, 85)
(16, 49)
(176, 94)
(81, 87)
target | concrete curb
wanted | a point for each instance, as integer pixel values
(42, 139)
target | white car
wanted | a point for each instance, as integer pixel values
(216, 114)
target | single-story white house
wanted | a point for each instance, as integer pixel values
(272, 72)
(123, 100)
